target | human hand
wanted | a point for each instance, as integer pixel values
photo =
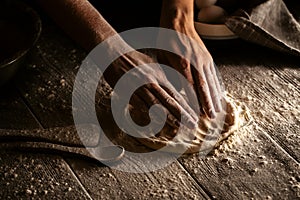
(202, 76)
(159, 91)
(87, 26)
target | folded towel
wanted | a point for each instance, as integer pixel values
(270, 24)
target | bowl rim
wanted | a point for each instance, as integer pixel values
(38, 29)
(214, 31)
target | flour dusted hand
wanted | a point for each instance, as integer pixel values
(202, 76)
(158, 91)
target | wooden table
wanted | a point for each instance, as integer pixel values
(260, 161)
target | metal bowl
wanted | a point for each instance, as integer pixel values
(20, 28)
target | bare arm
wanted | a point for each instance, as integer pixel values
(85, 25)
(179, 16)
(80, 20)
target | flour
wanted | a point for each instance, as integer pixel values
(238, 117)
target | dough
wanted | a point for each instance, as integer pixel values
(237, 115)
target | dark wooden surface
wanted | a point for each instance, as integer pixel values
(260, 161)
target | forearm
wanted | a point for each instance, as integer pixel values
(177, 13)
(80, 20)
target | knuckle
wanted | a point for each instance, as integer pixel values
(184, 63)
(169, 100)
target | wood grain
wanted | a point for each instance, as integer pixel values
(259, 161)
(57, 58)
(31, 175)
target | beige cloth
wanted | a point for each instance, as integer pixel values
(269, 24)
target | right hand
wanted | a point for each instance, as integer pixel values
(178, 110)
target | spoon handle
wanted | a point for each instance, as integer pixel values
(67, 136)
(43, 147)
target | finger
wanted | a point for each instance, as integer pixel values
(113, 73)
(184, 68)
(181, 100)
(172, 105)
(171, 60)
(220, 87)
(139, 110)
(190, 95)
(149, 99)
(203, 93)
(216, 77)
(214, 93)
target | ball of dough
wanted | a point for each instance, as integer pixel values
(212, 15)
(204, 3)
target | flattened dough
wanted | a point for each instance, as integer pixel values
(208, 135)
(169, 139)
